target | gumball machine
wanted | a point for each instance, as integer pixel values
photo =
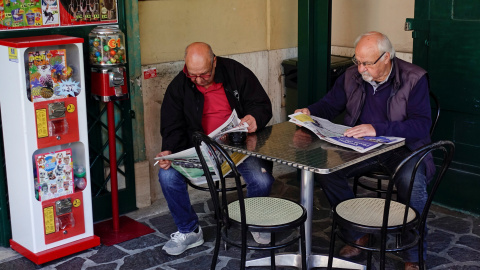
(108, 58)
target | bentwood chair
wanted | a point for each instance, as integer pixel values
(259, 214)
(380, 176)
(384, 217)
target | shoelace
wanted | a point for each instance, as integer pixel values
(178, 236)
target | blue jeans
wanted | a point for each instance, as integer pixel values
(336, 188)
(256, 172)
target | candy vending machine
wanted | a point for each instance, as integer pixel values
(44, 118)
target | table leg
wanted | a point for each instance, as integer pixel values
(306, 199)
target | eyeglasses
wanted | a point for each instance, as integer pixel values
(365, 64)
(203, 76)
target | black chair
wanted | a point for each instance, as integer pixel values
(382, 175)
(259, 214)
(385, 217)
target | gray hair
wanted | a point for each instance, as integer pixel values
(383, 44)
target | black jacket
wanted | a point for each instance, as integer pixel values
(182, 106)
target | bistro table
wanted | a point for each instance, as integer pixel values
(297, 147)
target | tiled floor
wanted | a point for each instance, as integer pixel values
(454, 240)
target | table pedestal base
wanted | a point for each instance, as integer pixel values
(314, 261)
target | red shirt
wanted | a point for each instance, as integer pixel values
(216, 108)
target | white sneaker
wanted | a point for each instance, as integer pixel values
(179, 242)
(261, 237)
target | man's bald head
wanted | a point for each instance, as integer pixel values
(377, 40)
(200, 60)
(200, 50)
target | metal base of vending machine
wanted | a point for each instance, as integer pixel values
(56, 252)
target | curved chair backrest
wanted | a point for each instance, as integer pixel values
(444, 151)
(210, 152)
(437, 112)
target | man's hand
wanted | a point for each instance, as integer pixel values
(252, 123)
(360, 131)
(303, 110)
(162, 163)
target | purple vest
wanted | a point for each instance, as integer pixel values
(405, 78)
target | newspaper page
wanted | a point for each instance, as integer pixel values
(188, 163)
(333, 133)
(231, 125)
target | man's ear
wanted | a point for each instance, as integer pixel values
(387, 57)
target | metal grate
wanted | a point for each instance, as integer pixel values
(100, 162)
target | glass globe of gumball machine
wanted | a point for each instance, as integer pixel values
(108, 57)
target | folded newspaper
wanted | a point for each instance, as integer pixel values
(333, 133)
(188, 163)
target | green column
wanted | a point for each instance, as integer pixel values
(314, 30)
(5, 230)
(134, 69)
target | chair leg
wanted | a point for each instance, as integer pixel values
(355, 185)
(332, 246)
(302, 247)
(218, 239)
(369, 253)
(379, 187)
(421, 262)
(272, 251)
(383, 247)
(243, 258)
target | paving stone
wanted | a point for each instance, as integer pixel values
(451, 224)
(153, 257)
(464, 267)
(320, 245)
(209, 233)
(201, 262)
(20, 263)
(476, 226)
(464, 255)
(107, 254)
(108, 266)
(470, 241)
(434, 261)
(164, 224)
(73, 264)
(200, 208)
(142, 242)
(439, 241)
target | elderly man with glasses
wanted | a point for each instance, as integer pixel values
(201, 98)
(381, 96)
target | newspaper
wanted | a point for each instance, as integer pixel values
(333, 133)
(188, 163)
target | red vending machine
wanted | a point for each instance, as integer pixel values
(45, 135)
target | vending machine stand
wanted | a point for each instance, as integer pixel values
(44, 119)
(108, 77)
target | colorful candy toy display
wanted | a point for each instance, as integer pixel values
(107, 46)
